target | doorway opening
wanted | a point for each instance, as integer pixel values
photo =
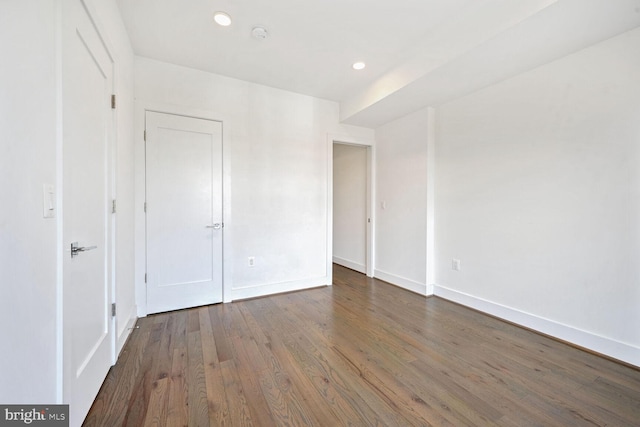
(352, 216)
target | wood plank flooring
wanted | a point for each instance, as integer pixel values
(361, 353)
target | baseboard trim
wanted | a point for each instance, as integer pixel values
(277, 288)
(122, 337)
(360, 268)
(605, 346)
(402, 282)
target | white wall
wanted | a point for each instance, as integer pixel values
(350, 206)
(276, 172)
(538, 195)
(27, 241)
(402, 190)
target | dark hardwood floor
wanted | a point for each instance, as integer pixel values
(361, 353)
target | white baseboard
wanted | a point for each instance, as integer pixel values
(123, 334)
(278, 288)
(430, 289)
(360, 268)
(408, 284)
(606, 346)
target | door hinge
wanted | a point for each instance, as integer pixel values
(145, 135)
(113, 102)
(113, 310)
(145, 207)
(145, 277)
(113, 206)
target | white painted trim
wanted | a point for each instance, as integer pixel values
(121, 339)
(140, 109)
(278, 288)
(59, 215)
(431, 188)
(360, 268)
(329, 231)
(402, 282)
(371, 195)
(371, 175)
(603, 345)
(138, 208)
(430, 289)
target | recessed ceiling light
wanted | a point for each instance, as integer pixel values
(358, 65)
(222, 18)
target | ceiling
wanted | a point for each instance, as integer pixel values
(418, 52)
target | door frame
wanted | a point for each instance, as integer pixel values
(369, 144)
(141, 107)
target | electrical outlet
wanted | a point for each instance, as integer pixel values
(251, 261)
(455, 264)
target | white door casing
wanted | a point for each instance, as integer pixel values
(350, 210)
(184, 227)
(87, 128)
(370, 196)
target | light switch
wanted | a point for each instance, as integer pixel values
(48, 201)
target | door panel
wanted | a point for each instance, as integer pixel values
(184, 202)
(87, 123)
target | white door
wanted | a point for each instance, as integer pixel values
(184, 211)
(87, 125)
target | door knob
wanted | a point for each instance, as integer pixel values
(75, 249)
(215, 226)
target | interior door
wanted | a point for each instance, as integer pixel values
(183, 211)
(87, 125)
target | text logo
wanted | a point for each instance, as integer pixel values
(36, 415)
